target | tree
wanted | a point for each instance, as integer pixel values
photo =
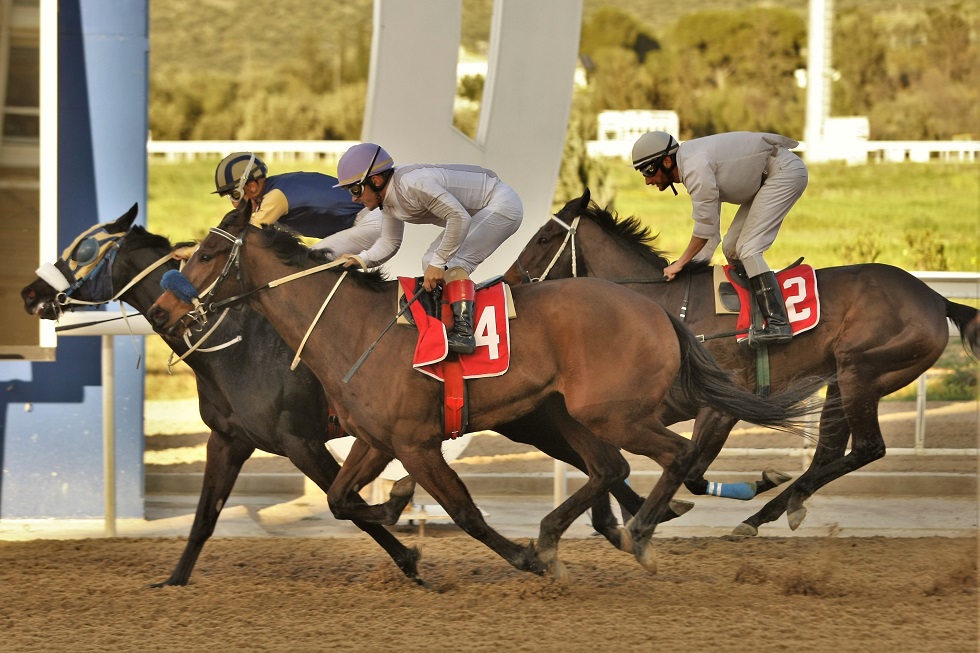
(860, 56)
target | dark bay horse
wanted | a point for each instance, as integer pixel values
(574, 347)
(880, 328)
(249, 401)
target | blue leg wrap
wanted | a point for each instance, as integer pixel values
(740, 491)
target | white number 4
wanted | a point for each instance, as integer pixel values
(486, 332)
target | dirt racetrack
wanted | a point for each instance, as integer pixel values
(822, 592)
(300, 594)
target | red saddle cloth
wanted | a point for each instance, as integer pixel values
(490, 326)
(799, 287)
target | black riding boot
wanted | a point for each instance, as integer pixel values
(460, 295)
(777, 330)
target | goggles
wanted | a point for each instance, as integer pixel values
(652, 168)
(356, 189)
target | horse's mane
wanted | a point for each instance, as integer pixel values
(138, 237)
(637, 237)
(291, 251)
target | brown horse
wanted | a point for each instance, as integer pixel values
(249, 402)
(573, 353)
(880, 328)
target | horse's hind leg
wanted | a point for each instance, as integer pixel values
(313, 459)
(645, 436)
(605, 466)
(362, 465)
(225, 457)
(428, 467)
(538, 430)
(834, 434)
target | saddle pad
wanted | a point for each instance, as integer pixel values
(726, 298)
(490, 326)
(799, 287)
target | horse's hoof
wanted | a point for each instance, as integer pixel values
(625, 539)
(775, 478)
(745, 530)
(647, 557)
(403, 487)
(559, 572)
(796, 517)
(680, 507)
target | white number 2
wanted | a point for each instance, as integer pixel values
(486, 332)
(793, 297)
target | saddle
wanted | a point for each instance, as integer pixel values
(798, 285)
(432, 317)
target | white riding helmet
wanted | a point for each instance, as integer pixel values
(650, 149)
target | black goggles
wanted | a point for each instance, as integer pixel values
(652, 168)
(355, 189)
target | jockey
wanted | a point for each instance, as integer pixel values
(758, 172)
(477, 210)
(305, 202)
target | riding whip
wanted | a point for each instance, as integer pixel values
(360, 361)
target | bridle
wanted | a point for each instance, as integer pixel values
(570, 231)
(203, 308)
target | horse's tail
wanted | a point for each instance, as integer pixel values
(702, 382)
(967, 320)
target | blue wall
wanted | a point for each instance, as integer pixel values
(51, 428)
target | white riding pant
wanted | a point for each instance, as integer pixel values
(489, 228)
(756, 223)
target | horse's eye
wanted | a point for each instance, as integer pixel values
(543, 240)
(206, 257)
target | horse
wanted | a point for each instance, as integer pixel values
(595, 395)
(279, 411)
(879, 329)
(248, 401)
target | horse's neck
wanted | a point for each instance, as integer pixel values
(128, 266)
(607, 257)
(293, 307)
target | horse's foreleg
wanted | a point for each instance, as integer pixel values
(676, 455)
(711, 431)
(313, 459)
(362, 465)
(427, 466)
(225, 457)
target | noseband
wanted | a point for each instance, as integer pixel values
(571, 230)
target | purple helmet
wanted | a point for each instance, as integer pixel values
(360, 162)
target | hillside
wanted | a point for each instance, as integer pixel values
(215, 35)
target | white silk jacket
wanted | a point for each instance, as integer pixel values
(445, 195)
(725, 167)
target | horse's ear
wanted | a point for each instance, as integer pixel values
(584, 200)
(125, 221)
(244, 212)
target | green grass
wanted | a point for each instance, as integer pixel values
(845, 212)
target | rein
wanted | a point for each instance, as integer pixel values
(63, 299)
(572, 230)
(202, 310)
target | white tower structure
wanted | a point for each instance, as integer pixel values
(819, 42)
